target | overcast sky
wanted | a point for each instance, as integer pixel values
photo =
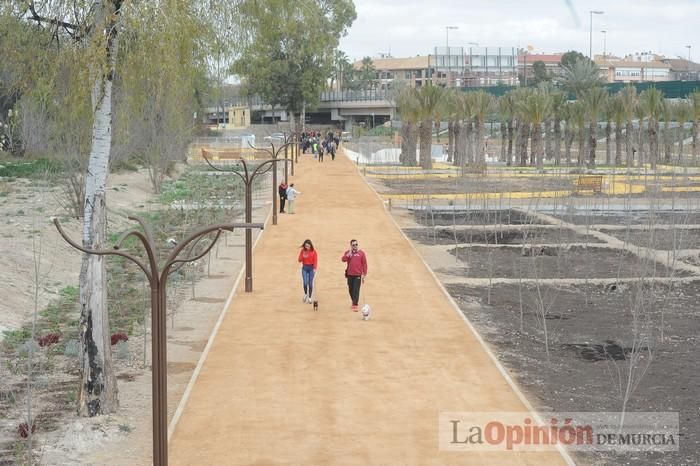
(413, 27)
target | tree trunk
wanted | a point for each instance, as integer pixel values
(568, 142)
(581, 144)
(511, 136)
(462, 144)
(618, 144)
(537, 146)
(680, 142)
(411, 158)
(524, 138)
(426, 141)
(628, 143)
(640, 148)
(653, 144)
(667, 143)
(548, 140)
(97, 393)
(608, 144)
(403, 155)
(468, 155)
(592, 143)
(696, 148)
(557, 142)
(458, 144)
(480, 156)
(504, 138)
(450, 141)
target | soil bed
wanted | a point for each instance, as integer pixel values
(553, 262)
(476, 184)
(590, 339)
(632, 217)
(488, 236)
(428, 217)
(659, 239)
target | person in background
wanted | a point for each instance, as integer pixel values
(282, 191)
(355, 271)
(292, 194)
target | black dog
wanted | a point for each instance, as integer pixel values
(315, 305)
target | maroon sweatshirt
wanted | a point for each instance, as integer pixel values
(357, 262)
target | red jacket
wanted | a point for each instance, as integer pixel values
(308, 258)
(357, 263)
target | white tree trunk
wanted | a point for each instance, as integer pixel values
(98, 388)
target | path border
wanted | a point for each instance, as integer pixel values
(210, 341)
(565, 454)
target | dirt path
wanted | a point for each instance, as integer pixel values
(286, 385)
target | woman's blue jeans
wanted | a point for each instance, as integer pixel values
(307, 275)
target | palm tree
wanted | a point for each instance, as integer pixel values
(463, 134)
(536, 109)
(683, 113)
(695, 107)
(617, 113)
(667, 116)
(450, 112)
(578, 118)
(594, 100)
(628, 96)
(640, 113)
(505, 114)
(652, 100)
(367, 74)
(483, 103)
(407, 103)
(608, 113)
(429, 101)
(581, 76)
(558, 104)
(520, 97)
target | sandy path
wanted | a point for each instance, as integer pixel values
(285, 385)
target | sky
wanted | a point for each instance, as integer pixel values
(407, 28)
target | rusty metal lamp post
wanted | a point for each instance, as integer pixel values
(248, 178)
(274, 154)
(157, 279)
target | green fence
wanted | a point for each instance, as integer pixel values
(671, 89)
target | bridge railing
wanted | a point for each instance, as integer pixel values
(354, 96)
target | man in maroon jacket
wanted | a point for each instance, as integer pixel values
(355, 271)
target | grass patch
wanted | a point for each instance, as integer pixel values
(29, 168)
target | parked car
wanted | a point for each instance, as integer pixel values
(274, 137)
(345, 136)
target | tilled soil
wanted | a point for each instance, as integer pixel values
(632, 217)
(663, 239)
(429, 217)
(477, 184)
(590, 333)
(492, 235)
(555, 262)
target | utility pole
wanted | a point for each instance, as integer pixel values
(590, 32)
(447, 44)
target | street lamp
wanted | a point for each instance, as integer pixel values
(590, 32)
(447, 44)
(605, 44)
(157, 275)
(688, 47)
(471, 66)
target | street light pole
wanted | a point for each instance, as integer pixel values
(605, 43)
(447, 44)
(157, 276)
(590, 32)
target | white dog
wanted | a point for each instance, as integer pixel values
(366, 311)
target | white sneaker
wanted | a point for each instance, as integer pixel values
(306, 299)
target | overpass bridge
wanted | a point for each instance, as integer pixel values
(346, 108)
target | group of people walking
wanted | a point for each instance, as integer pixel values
(355, 270)
(319, 144)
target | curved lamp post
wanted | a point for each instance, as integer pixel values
(247, 177)
(157, 278)
(273, 160)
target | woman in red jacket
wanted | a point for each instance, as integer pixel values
(309, 262)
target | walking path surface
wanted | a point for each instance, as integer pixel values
(283, 384)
